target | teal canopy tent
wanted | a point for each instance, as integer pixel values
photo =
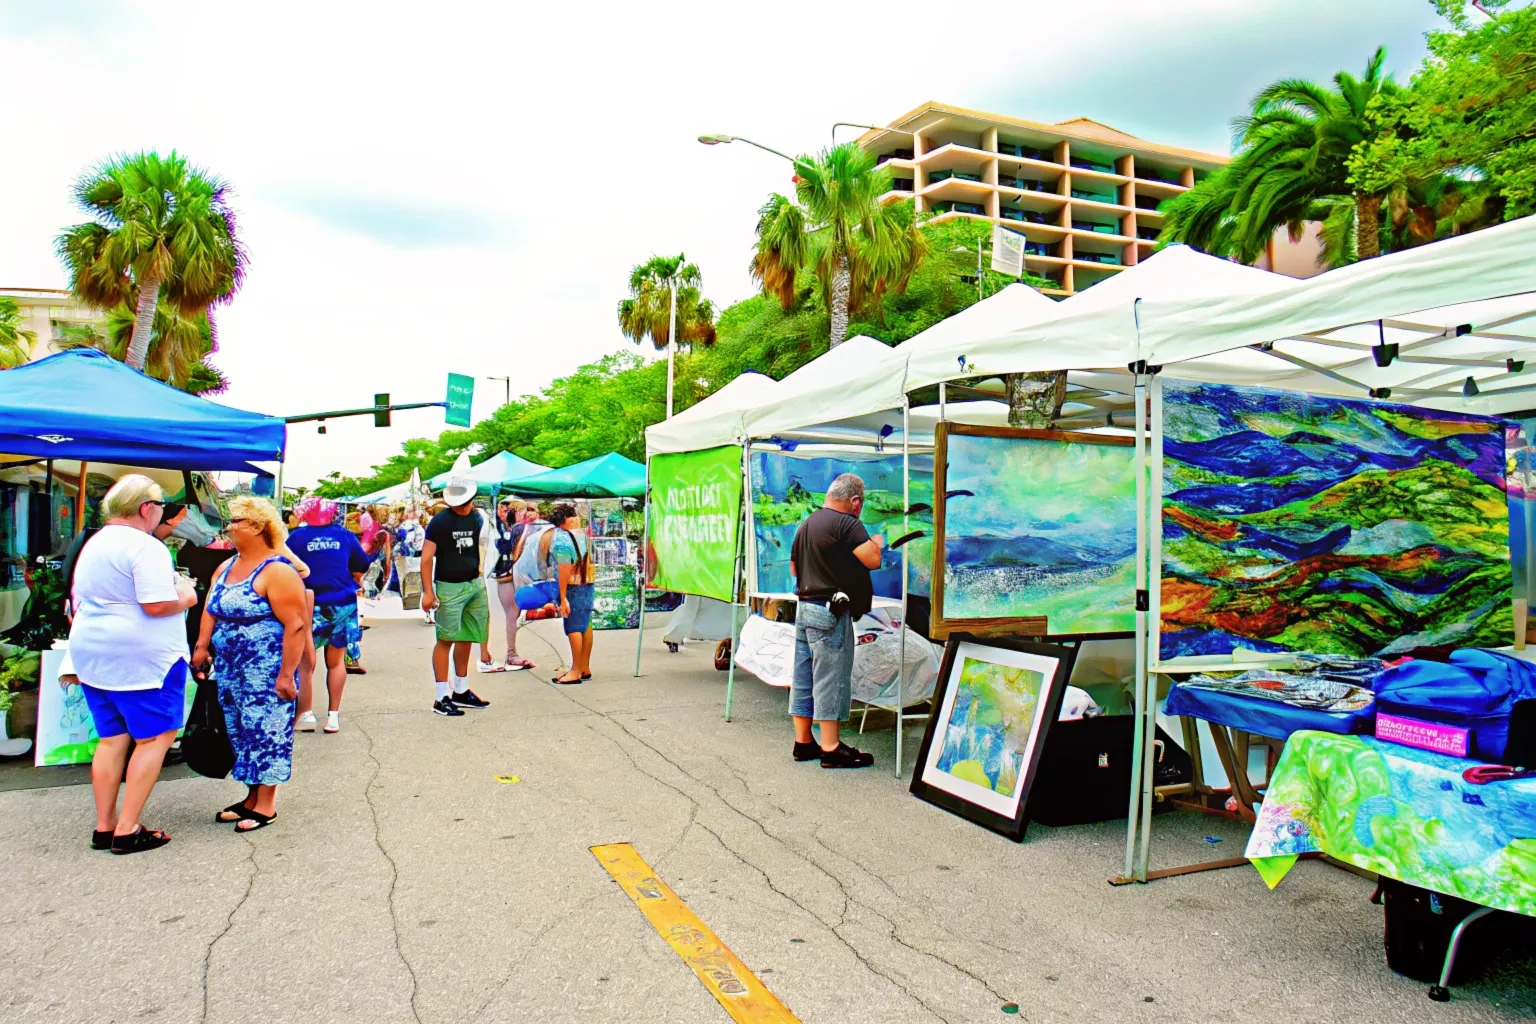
(502, 471)
(607, 476)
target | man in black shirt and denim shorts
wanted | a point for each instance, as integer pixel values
(831, 558)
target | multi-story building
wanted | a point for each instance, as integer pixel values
(47, 311)
(1084, 195)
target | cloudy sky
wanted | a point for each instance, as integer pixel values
(463, 186)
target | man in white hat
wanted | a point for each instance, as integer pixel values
(451, 582)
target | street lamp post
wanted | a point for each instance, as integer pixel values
(508, 382)
(671, 338)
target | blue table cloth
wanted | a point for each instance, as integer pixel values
(1263, 717)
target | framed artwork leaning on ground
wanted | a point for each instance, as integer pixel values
(1035, 533)
(993, 705)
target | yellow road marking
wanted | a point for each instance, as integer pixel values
(746, 999)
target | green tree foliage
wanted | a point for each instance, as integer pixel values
(15, 343)
(647, 313)
(158, 225)
(178, 349)
(1457, 150)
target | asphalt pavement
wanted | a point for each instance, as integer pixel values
(408, 879)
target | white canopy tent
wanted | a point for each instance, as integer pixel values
(714, 420)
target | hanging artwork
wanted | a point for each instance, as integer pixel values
(786, 488)
(1039, 531)
(1307, 523)
(992, 707)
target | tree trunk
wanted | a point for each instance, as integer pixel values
(1034, 399)
(842, 282)
(143, 324)
(1367, 226)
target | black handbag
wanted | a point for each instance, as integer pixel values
(205, 742)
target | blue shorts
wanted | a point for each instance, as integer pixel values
(142, 714)
(335, 624)
(579, 597)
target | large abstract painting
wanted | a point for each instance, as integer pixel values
(992, 707)
(1307, 523)
(787, 487)
(1039, 527)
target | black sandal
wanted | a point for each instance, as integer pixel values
(138, 842)
(257, 820)
(565, 682)
(101, 840)
(239, 811)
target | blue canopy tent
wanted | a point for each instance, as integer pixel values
(501, 471)
(607, 476)
(85, 405)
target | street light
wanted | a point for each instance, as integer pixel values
(718, 140)
(508, 382)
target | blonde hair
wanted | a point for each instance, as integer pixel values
(128, 495)
(260, 512)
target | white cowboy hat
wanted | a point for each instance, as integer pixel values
(459, 491)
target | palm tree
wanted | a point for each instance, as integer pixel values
(178, 350)
(647, 312)
(857, 247)
(159, 227)
(1292, 167)
(15, 343)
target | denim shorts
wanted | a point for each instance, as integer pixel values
(579, 597)
(142, 714)
(822, 687)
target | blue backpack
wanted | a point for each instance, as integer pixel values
(1476, 690)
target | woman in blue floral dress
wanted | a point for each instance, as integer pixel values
(253, 632)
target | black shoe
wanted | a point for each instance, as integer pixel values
(448, 708)
(467, 699)
(807, 751)
(564, 682)
(846, 757)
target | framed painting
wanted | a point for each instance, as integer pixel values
(1035, 533)
(993, 704)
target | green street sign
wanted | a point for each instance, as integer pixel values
(461, 392)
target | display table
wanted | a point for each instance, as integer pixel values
(1400, 812)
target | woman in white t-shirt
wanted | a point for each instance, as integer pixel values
(128, 648)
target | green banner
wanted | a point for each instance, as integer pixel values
(695, 513)
(461, 392)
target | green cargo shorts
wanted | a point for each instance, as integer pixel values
(463, 612)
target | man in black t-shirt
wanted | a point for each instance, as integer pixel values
(452, 583)
(831, 557)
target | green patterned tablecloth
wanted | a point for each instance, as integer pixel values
(1401, 812)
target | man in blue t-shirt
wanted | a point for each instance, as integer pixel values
(336, 565)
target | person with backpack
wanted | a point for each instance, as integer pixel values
(569, 555)
(512, 518)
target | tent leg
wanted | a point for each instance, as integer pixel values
(1139, 688)
(737, 584)
(80, 499)
(278, 493)
(640, 566)
(1154, 617)
(901, 632)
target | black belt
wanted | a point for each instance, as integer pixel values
(825, 602)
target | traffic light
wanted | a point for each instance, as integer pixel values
(381, 418)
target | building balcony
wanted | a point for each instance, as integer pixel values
(952, 206)
(899, 154)
(1149, 202)
(1107, 198)
(903, 185)
(1025, 184)
(1092, 165)
(1027, 152)
(1102, 229)
(1147, 234)
(1103, 258)
(934, 177)
(1024, 216)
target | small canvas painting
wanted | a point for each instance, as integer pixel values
(988, 728)
(1040, 527)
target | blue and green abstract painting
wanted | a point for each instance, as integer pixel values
(1308, 523)
(1038, 527)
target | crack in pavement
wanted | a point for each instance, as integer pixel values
(565, 916)
(394, 869)
(229, 921)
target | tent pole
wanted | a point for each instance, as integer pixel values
(48, 493)
(942, 397)
(1154, 625)
(640, 566)
(901, 632)
(1139, 686)
(279, 491)
(80, 499)
(738, 571)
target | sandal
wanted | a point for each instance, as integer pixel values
(138, 842)
(565, 682)
(256, 819)
(101, 840)
(238, 811)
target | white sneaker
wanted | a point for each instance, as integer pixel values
(307, 722)
(333, 721)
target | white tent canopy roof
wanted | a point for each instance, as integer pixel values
(714, 420)
(859, 376)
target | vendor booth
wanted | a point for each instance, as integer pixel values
(496, 475)
(81, 414)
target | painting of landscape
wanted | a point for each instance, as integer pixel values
(989, 725)
(1308, 523)
(1040, 527)
(787, 487)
